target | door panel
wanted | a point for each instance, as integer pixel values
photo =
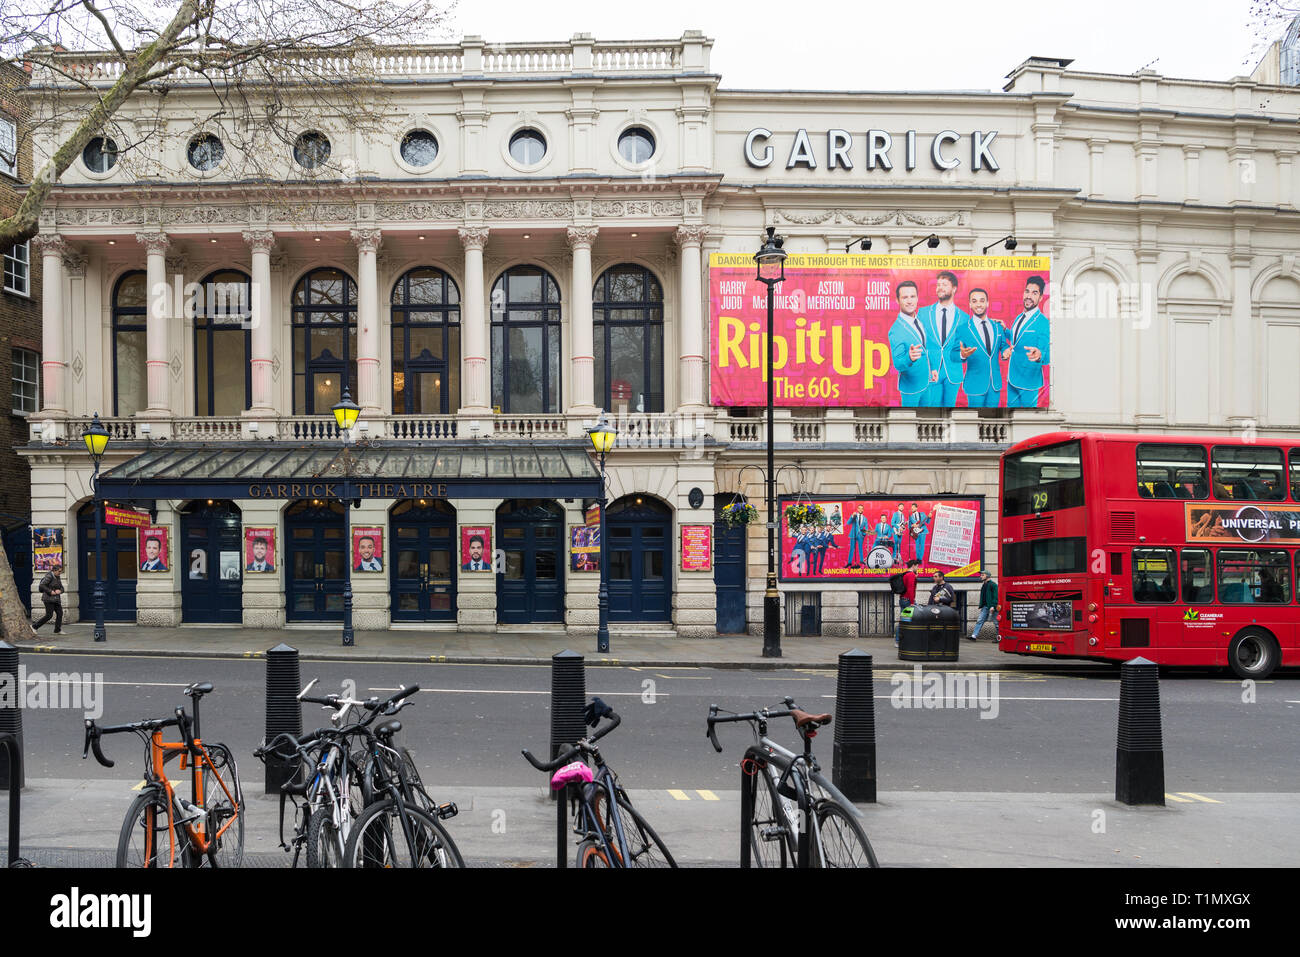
(729, 575)
(530, 587)
(640, 577)
(317, 560)
(423, 581)
(207, 595)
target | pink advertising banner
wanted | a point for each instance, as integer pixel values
(893, 331)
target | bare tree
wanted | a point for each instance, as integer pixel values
(263, 67)
(1268, 20)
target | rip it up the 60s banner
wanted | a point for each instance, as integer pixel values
(892, 331)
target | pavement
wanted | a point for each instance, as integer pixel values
(627, 647)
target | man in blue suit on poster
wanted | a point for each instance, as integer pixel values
(920, 531)
(884, 532)
(977, 344)
(945, 319)
(914, 349)
(899, 522)
(1029, 349)
(857, 539)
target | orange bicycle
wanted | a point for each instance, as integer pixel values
(162, 829)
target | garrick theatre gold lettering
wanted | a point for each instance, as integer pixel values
(362, 490)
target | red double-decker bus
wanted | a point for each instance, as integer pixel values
(1184, 551)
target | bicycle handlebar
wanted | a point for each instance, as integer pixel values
(571, 753)
(751, 716)
(94, 732)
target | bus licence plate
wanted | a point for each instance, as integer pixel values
(1040, 647)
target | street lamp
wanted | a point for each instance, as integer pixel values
(96, 438)
(771, 270)
(602, 436)
(345, 414)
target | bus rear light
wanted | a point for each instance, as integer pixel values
(1092, 641)
(1092, 619)
(1092, 606)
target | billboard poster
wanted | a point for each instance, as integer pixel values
(125, 516)
(883, 330)
(475, 548)
(1042, 615)
(584, 547)
(259, 549)
(870, 537)
(367, 549)
(1224, 524)
(47, 548)
(697, 548)
(154, 554)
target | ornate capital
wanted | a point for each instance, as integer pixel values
(581, 237)
(367, 240)
(691, 235)
(74, 264)
(154, 242)
(175, 264)
(473, 237)
(51, 244)
(262, 240)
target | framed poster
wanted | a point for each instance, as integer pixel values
(47, 547)
(584, 548)
(697, 548)
(154, 553)
(259, 549)
(475, 548)
(230, 566)
(367, 549)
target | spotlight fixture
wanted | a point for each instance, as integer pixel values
(864, 243)
(1008, 243)
(932, 241)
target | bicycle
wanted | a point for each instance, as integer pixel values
(790, 815)
(162, 829)
(612, 832)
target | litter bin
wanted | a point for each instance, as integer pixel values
(931, 633)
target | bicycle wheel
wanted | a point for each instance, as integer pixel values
(644, 847)
(325, 847)
(843, 841)
(146, 839)
(229, 849)
(591, 854)
(379, 840)
(771, 841)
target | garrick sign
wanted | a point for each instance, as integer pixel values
(837, 149)
(349, 489)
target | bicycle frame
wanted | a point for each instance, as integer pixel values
(592, 826)
(160, 752)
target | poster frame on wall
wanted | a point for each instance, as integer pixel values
(50, 552)
(881, 578)
(703, 535)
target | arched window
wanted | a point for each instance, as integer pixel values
(426, 343)
(324, 340)
(526, 341)
(628, 316)
(130, 347)
(223, 374)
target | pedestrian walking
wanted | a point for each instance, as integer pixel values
(988, 604)
(906, 597)
(52, 596)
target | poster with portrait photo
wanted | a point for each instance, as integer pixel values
(259, 550)
(367, 549)
(475, 548)
(155, 556)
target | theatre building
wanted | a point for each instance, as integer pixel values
(546, 232)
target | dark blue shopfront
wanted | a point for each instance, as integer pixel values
(210, 565)
(121, 566)
(316, 556)
(530, 578)
(640, 559)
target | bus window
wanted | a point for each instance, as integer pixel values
(1262, 576)
(1153, 574)
(1172, 471)
(1042, 480)
(1045, 555)
(1197, 584)
(1249, 473)
(1295, 474)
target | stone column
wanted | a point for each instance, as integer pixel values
(54, 364)
(580, 323)
(690, 315)
(261, 241)
(474, 386)
(367, 386)
(156, 321)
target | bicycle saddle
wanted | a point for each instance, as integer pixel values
(199, 689)
(803, 719)
(388, 729)
(571, 774)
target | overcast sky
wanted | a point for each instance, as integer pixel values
(926, 45)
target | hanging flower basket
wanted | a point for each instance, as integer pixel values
(739, 514)
(805, 513)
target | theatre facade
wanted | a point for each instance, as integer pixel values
(547, 232)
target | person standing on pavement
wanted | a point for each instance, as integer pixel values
(988, 604)
(941, 592)
(52, 595)
(908, 596)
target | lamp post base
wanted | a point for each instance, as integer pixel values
(771, 620)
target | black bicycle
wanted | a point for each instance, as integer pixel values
(611, 832)
(790, 814)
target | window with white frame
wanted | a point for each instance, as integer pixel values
(18, 268)
(8, 147)
(26, 376)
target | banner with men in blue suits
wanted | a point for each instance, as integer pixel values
(885, 330)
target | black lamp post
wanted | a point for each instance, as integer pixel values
(96, 438)
(602, 436)
(771, 270)
(345, 414)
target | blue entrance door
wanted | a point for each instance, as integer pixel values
(639, 530)
(211, 564)
(421, 561)
(530, 580)
(18, 549)
(729, 572)
(120, 568)
(316, 561)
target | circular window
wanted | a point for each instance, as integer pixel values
(419, 148)
(100, 154)
(527, 147)
(636, 145)
(205, 151)
(311, 149)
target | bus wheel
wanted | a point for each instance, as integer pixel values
(1253, 654)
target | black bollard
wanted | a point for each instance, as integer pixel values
(853, 761)
(12, 749)
(283, 709)
(1140, 752)
(568, 701)
(11, 711)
